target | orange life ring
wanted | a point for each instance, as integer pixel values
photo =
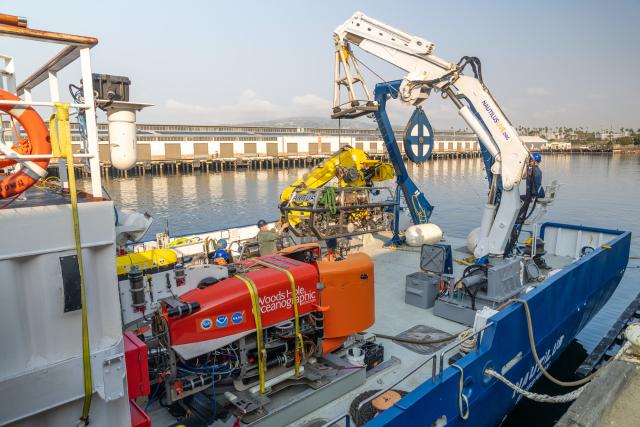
(37, 142)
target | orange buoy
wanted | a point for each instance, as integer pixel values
(37, 142)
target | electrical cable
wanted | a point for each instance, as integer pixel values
(152, 397)
(77, 94)
(213, 394)
(523, 214)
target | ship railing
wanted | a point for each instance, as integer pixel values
(437, 368)
(344, 416)
(431, 358)
(74, 48)
(477, 335)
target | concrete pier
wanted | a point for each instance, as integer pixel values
(215, 165)
(611, 399)
(161, 167)
(185, 149)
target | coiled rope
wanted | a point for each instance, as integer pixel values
(468, 344)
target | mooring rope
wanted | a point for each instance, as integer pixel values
(544, 398)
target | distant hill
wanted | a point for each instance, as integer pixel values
(322, 122)
(316, 122)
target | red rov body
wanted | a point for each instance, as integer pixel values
(342, 290)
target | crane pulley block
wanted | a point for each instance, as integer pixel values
(418, 137)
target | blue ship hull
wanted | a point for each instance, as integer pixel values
(560, 308)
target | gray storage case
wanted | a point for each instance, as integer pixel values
(421, 289)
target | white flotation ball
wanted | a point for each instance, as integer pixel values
(421, 234)
(472, 239)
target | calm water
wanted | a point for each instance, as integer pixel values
(598, 190)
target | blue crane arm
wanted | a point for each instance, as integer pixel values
(419, 207)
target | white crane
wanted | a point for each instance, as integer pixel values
(427, 72)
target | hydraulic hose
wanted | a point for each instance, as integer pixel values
(415, 340)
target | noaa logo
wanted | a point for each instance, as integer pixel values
(237, 317)
(221, 321)
(206, 324)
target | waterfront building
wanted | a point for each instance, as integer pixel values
(536, 143)
(183, 142)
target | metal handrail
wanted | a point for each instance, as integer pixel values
(334, 420)
(438, 360)
(42, 104)
(25, 157)
(457, 343)
(384, 390)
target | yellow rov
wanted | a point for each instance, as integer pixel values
(353, 206)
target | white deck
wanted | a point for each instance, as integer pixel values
(393, 316)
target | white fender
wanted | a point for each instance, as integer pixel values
(421, 234)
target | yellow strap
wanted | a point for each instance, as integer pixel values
(60, 134)
(60, 131)
(255, 307)
(292, 282)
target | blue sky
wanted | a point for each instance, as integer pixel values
(573, 63)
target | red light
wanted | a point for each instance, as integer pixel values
(251, 360)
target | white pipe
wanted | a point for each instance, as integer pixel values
(90, 118)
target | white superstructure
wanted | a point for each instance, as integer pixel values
(41, 363)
